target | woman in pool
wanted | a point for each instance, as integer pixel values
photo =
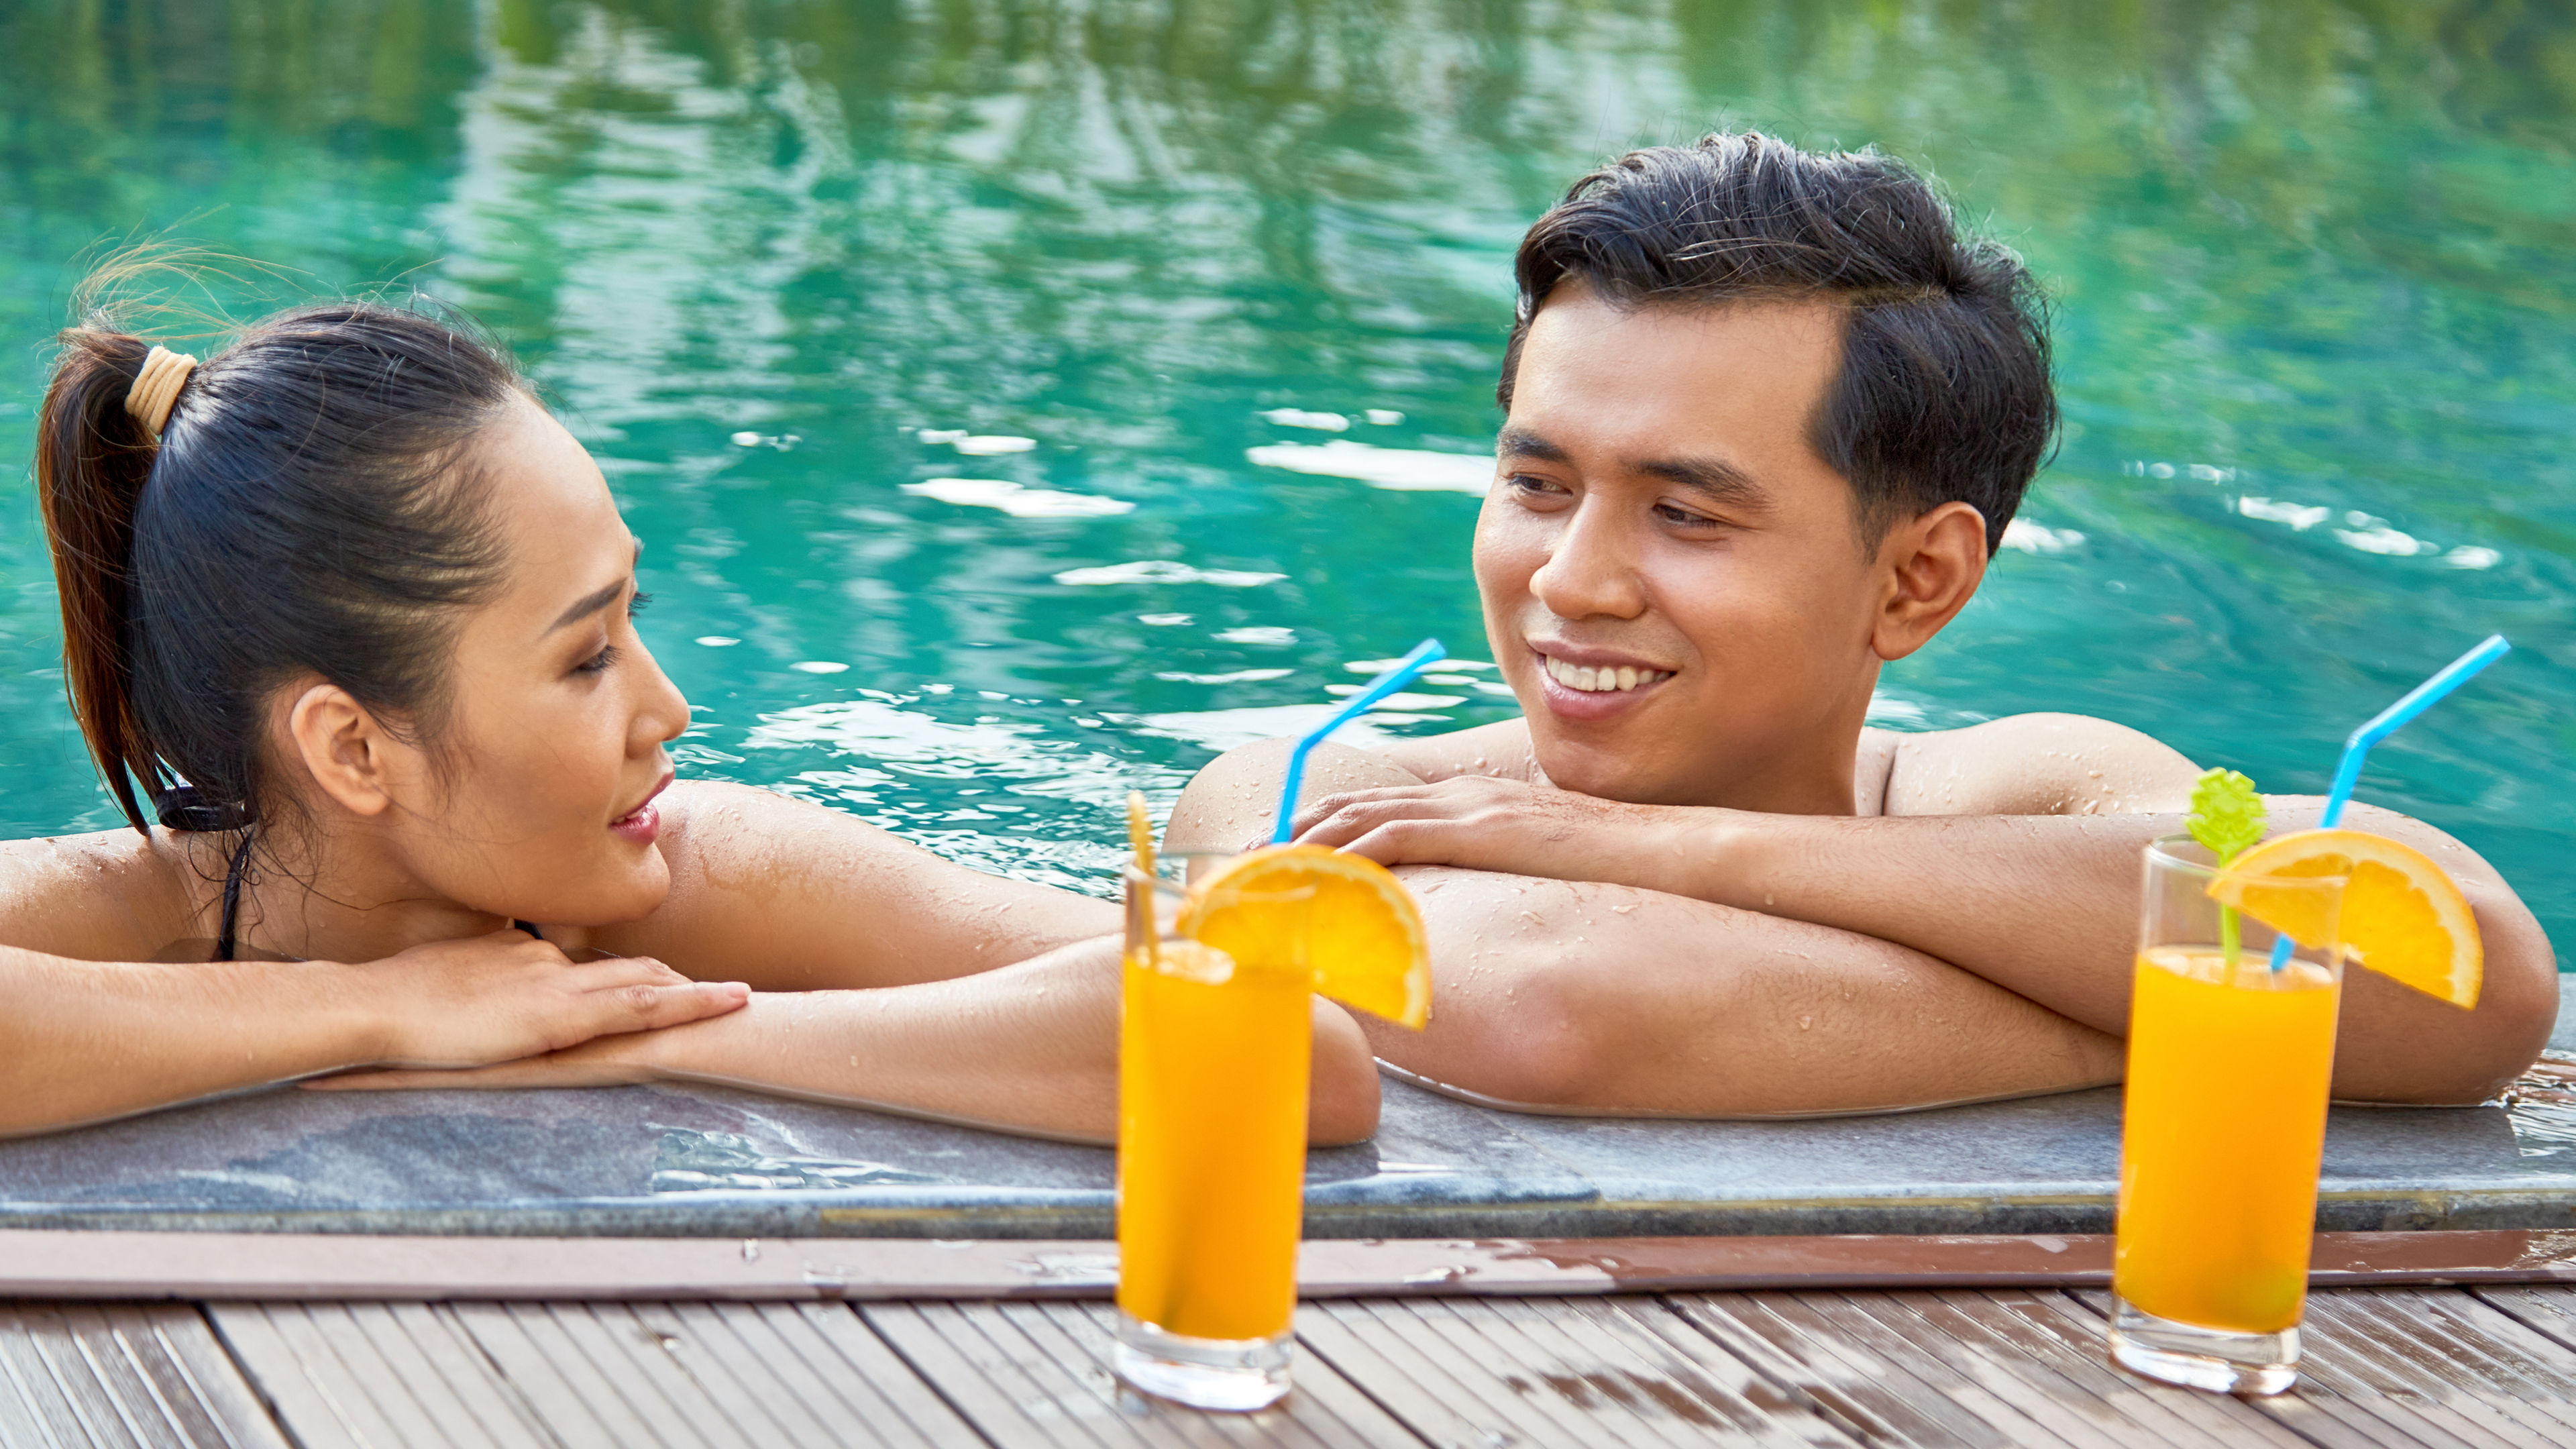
(355, 587)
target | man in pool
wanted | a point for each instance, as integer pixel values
(1767, 415)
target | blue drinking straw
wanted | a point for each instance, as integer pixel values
(1424, 655)
(2385, 723)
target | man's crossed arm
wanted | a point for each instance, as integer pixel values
(1974, 941)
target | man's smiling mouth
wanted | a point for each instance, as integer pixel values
(1605, 679)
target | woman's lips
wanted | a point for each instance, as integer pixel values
(643, 823)
(641, 827)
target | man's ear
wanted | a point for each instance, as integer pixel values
(342, 747)
(1930, 566)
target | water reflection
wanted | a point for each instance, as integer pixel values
(788, 267)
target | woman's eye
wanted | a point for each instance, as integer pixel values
(597, 662)
(636, 601)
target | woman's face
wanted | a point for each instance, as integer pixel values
(537, 800)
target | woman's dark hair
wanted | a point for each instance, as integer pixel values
(1944, 390)
(307, 510)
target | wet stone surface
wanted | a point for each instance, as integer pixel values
(689, 1161)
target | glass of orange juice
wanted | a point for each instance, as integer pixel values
(1214, 1057)
(2224, 1124)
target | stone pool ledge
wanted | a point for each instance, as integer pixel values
(666, 1161)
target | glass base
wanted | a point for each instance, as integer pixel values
(2202, 1358)
(1232, 1375)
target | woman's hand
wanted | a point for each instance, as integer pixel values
(1481, 823)
(608, 1061)
(507, 995)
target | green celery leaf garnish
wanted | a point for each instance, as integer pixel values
(2226, 814)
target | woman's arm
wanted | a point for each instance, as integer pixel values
(791, 896)
(85, 1041)
(1029, 1048)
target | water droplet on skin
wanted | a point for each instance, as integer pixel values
(1806, 1022)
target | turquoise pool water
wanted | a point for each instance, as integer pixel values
(784, 265)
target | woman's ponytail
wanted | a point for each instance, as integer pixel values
(92, 457)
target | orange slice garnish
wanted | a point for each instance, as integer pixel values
(2402, 915)
(1362, 937)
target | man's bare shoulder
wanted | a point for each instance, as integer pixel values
(1234, 796)
(2026, 764)
(104, 895)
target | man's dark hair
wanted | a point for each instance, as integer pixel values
(1944, 390)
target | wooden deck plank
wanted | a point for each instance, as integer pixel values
(581, 1406)
(80, 1374)
(1038, 1374)
(164, 1363)
(1637, 1352)
(2007, 1347)
(307, 1407)
(1413, 1388)
(2387, 1368)
(1080, 1337)
(2064, 1349)
(936, 1341)
(2329, 1407)
(647, 1367)
(1426, 1386)
(1817, 1345)
(711, 1354)
(1601, 1375)
(53, 1356)
(866, 1368)
(2451, 1350)
(454, 1385)
(780, 1346)
(1079, 1346)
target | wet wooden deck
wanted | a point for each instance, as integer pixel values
(2397, 1366)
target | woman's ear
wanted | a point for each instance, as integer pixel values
(1931, 566)
(343, 748)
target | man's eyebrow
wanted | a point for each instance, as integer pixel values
(1522, 443)
(1714, 479)
(598, 599)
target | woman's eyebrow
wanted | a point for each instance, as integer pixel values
(591, 603)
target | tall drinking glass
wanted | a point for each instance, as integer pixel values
(2224, 1126)
(1213, 1062)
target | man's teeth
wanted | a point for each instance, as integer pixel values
(1600, 681)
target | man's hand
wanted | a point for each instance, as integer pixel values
(1480, 823)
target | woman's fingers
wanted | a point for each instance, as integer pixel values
(648, 1007)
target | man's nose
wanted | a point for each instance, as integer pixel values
(1591, 571)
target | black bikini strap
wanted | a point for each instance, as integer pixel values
(232, 898)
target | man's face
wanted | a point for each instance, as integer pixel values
(1673, 580)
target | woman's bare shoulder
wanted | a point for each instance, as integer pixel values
(791, 895)
(107, 895)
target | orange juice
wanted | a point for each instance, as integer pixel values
(1212, 1087)
(2224, 1131)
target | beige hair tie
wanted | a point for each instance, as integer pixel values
(157, 386)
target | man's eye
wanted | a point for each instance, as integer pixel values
(1533, 485)
(1681, 517)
